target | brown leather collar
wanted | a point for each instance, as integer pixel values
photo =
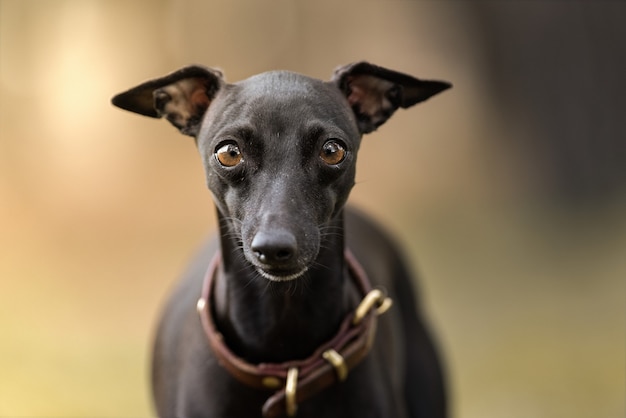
(298, 380)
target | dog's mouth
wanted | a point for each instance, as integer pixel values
(281, 276)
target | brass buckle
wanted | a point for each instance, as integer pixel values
(375, 298)
(291, 406)
(337, 361)
(201, 305)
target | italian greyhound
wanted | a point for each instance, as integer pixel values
(278, 315)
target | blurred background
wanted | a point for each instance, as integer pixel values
(508, 191)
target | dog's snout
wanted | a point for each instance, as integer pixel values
(275, 247)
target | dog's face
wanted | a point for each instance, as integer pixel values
(279, 165)
(279, 149)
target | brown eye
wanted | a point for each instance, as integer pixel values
(333, 152)
(228, 154)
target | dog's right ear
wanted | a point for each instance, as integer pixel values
(182, 97)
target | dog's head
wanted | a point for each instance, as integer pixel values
(279, 149)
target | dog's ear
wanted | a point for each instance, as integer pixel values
(375, 92)
(182, 97)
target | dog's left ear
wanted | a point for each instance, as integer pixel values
(375, 92)
(182, 97)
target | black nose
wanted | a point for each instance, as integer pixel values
(274, 247)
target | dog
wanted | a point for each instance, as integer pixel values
(284, 312)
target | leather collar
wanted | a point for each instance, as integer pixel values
(298, 380)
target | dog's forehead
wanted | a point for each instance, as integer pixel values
(275, 90)
(281, 101)
(281, 83)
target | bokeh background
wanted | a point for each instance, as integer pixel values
(508, 191)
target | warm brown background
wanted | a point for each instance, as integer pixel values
(507, 191)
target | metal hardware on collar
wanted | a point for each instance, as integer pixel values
(338, 363)
(271, 382)
(374, 298)
(201, 305)
(291, 406)
(384, 306)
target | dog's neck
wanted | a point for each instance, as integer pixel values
(264, 321)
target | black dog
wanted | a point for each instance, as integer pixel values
(284, 317)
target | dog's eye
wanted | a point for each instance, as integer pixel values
(228, 154)
(333, 152)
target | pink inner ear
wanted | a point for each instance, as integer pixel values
(357, 94)
(369, 93)
(199, 98)
(188, 101)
